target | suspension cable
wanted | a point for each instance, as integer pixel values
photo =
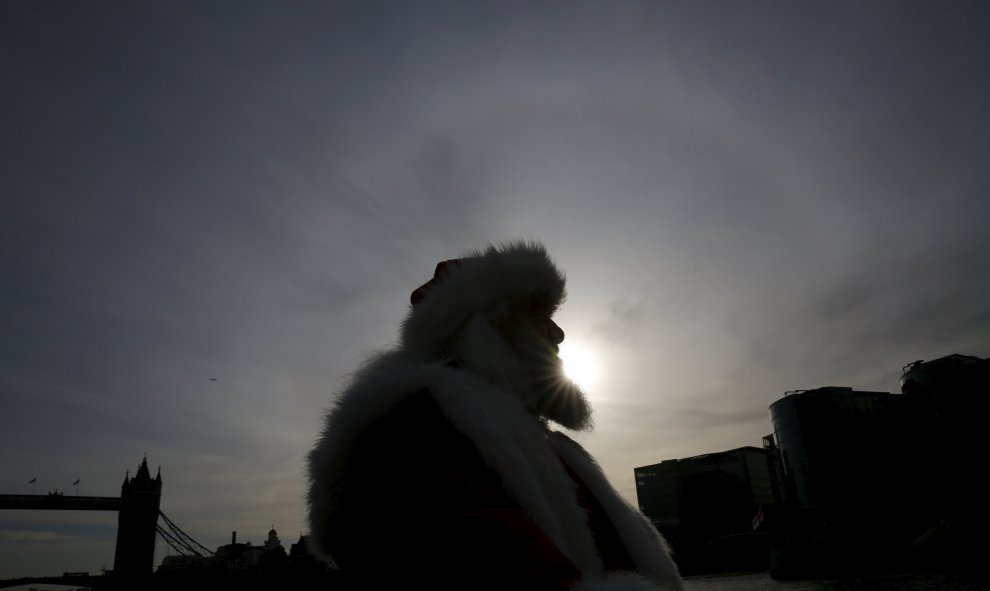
(173, 535)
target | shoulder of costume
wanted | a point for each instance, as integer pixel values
(382, 384)
(509, 439)
(391, 378)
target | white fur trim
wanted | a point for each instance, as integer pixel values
(514, 444)
(376, 389)
(648, 548)
(526, 455)
(505, 273)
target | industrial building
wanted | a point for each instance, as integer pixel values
(875, 480)
(849, 481)
(711, 507)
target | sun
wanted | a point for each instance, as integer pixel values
(579, 364)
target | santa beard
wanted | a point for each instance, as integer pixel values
(516, 359)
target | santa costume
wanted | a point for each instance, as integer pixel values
(429, 474)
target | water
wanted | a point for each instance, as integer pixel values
(905, 582)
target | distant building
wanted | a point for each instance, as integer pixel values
(837, 444)
(873, 479)
(711, 507)
(301, 557)
(242, 556)
(273, 544)
(950, 402)
(300, 550)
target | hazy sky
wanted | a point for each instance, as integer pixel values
(747, 198)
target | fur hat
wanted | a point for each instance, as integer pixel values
(490, 280)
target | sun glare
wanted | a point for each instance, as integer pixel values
(579, 364)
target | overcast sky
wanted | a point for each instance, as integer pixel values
(746, 197)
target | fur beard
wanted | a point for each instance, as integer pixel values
(516, 360)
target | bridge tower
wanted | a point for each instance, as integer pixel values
(137, 519)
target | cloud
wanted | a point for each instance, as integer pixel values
(746, 201)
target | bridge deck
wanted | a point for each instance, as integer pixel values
(60, 502)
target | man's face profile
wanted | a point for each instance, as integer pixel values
(536, 319)
(535, 339)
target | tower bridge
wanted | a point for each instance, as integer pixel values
(137, 510)
(57, 502)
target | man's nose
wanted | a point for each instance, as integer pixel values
(554, 332)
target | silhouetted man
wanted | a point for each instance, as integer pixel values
(437, 467)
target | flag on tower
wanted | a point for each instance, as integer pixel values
(76, 482)
(33, 480)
